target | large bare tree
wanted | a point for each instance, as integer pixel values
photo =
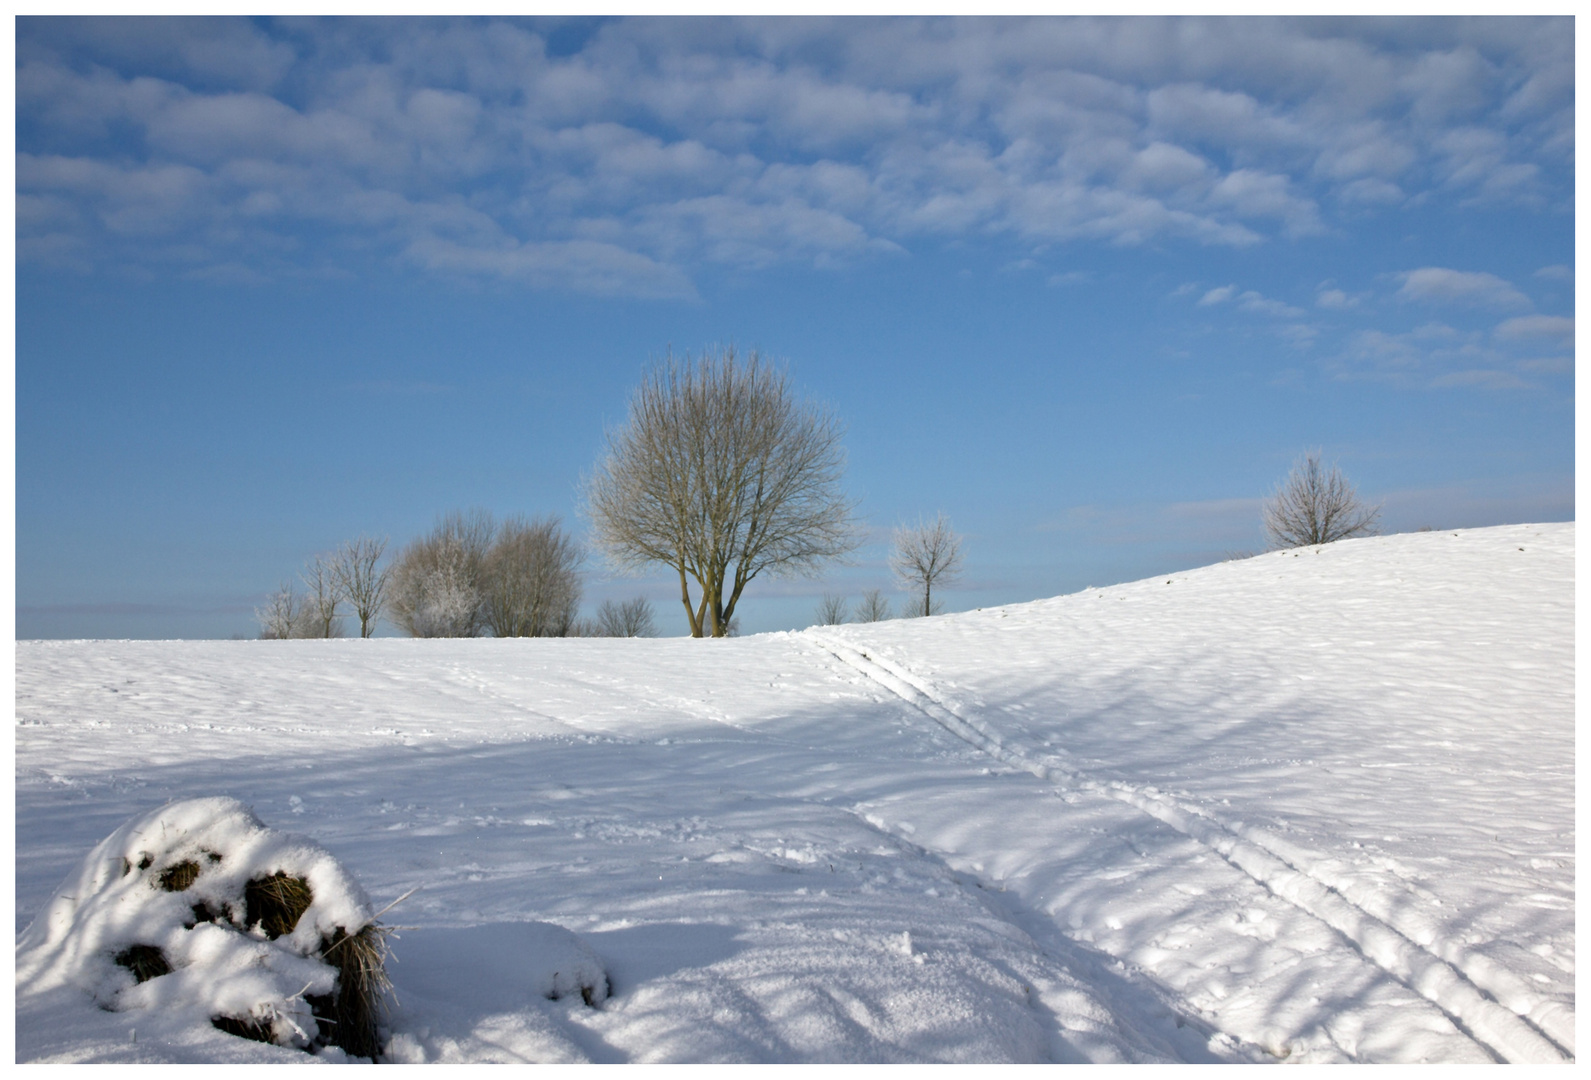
(364, 586)
(1316, 505)
(530, 579)
(721, 473)
(926, 554)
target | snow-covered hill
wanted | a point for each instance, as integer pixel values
(1314, 805)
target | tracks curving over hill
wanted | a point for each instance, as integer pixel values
(1467, 988)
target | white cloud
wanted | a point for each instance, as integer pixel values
(1371, 191)
(1550, 328)
(757, 141)
(1435, 284)
(1436, 355)
(1252, 301)
(586, 266)
(1071, 277)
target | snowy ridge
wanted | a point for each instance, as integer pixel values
(1311, 806)
(1545, 1037)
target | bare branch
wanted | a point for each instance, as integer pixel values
(530, 580)
(633, 618)
(1316, 506)
(324, 596)
(361, 584)
(925, 555)
(873, 607)
(285, 614)
(721, 474)
(831, 610)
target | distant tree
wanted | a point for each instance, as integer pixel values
(1315, 505)
(925, 555)
(362, 585)
(284, 615)
(633, 618)
(436, 581)
(323, 596)
(873, 607)
(831, 610)
(721, 474)
(530, 580)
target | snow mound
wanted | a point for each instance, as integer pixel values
(206, 925)
(457, 986)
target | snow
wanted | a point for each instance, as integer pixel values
(1309, 806)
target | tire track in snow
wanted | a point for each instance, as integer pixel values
(1471, 1004)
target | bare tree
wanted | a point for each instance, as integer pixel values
(1315, 505)
(925, 555)
(284, 615)
(436, 582)
(873, 607)
(633, 618)
(831, 610)
(720, 473)
(530, 580)
(361, 584)
(322, 598)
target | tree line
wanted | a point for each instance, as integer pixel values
(720, 474)
(469, 576)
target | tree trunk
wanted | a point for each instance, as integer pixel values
(685, 598)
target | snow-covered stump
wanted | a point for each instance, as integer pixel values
(196, 916)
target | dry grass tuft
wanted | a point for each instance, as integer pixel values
(360, 960)
(276, 903)
(144, 961)
(178, 878)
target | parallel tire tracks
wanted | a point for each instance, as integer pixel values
(1470, 1000)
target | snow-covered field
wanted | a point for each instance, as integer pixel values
(1306, 806)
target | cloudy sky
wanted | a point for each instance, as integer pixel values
(1088, 286)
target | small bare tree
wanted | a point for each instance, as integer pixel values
(436, 582)
(633, 618)
(925, 555)
(873, 607)
(284, 615)
(831, 610)
(323, 596)
(1316, 505)
(362, 585)
(721, 474)
(530, 580)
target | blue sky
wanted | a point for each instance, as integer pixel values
(1088, 287)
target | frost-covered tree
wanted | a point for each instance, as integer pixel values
(1316, 505)
(720, 473)
(436, 581)
(632, 618)
(530, 579)
(925, 555)
(363, 585)
(284, 614)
